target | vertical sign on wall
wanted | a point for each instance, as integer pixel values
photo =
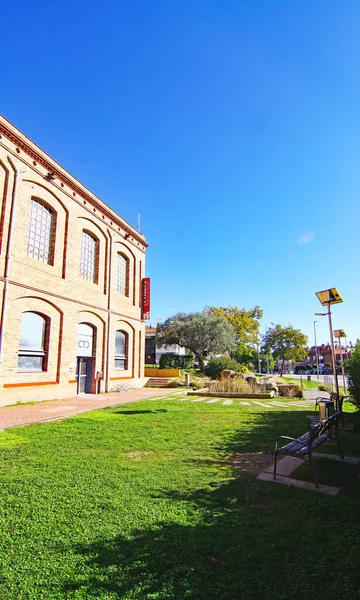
(146, 298)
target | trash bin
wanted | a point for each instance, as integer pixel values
(326, 409)
(308, 377)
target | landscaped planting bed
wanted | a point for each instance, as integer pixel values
(141, 501)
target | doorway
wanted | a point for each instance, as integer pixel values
(85, 358)
(84, 375)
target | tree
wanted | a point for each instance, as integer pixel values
(353, 369)
(202, 333)
(250, 357)
(246, 323)
(285, 343)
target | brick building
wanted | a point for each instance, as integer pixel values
(325, 354)
(71, 275)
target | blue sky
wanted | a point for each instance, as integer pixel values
(232, 127)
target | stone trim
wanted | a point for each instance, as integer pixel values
(30, 383)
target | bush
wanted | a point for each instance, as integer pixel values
(354, 375)
(216, 365)
(174, 361)
(174, 383)
(322, 387)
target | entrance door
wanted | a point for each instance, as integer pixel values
(84, 375)
(85, 360)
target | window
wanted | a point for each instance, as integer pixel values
(31, 356)
(40, 232)
(122, 279)
(89, 259)
(121, 350)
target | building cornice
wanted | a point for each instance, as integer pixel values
(56, 172)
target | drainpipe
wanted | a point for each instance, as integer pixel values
(7, 259)
(107, 362)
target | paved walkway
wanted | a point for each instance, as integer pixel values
(24, 414)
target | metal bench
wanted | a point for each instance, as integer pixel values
(303, 446)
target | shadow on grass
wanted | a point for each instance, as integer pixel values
(140, 412)
(242, 541)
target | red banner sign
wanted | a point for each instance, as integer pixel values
(146, 298)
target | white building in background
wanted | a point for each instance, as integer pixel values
(152, 353)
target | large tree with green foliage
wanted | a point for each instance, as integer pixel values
(246, 323)
(353, 370)
(202, 333)
(285, 343)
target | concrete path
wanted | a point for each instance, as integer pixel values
(314, 393)
(24, 414)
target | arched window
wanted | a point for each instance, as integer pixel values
(121, 350)
(89, 257)
(85, 345)
(122, 275)
(40, 241)
(32, 344)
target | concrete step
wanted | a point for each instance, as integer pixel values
(159, 381)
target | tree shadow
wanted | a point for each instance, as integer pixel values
(139, 412)
(242, 541)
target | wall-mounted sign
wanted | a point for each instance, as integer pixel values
(145, 304)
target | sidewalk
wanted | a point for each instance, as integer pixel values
(24, 414)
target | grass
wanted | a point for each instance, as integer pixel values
(138, 502)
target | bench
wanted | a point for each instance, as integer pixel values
(303, 446)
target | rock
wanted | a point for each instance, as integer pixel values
(229, 374)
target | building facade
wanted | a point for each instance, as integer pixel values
(71, 274)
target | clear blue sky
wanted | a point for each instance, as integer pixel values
(233, 127)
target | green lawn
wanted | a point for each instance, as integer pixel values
(138, 502)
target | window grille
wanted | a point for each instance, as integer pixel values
(122, 275)
(32, 351)
(40, 232)
(120, 351)
(88, 262)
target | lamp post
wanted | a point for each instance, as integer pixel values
(340, 333)
(316, 350)
(327, 298)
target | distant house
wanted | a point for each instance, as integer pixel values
(152, 353)
(324, 353)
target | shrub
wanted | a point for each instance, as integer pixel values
(216, 365)
(322, 387)
(174, 361)
(354, 375)
(328, 365)
(174, 383)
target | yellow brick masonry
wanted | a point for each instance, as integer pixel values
(56, 290)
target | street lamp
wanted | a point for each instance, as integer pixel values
(327, 298)
(340, 333)
(316, 351)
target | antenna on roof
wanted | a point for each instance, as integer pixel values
(138, 224)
